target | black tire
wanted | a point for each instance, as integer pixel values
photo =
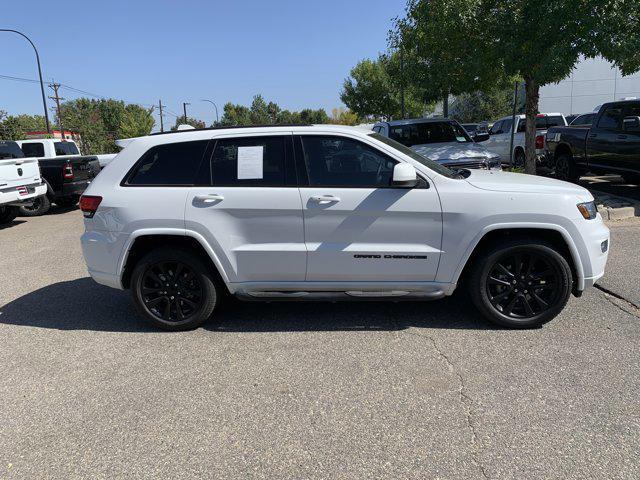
(8, 214)
(541, 290)
(188, 297)
(565, 168)
(40, 206)
(66, 202)
(519, 158)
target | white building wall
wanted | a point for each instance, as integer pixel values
(592, 83)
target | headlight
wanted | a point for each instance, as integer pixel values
(495, 163)
(588, 210)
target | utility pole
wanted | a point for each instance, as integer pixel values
(184, 108)
(57, 98)
(161, 122)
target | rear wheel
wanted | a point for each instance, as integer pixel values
(174, 290)
(522, 284)
(566, 168)
(8, 214)
(519, 158)
(40, 206)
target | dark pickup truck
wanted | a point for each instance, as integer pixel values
(611, 144)
(66, 178)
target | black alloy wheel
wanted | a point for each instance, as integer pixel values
(174, 289)
(171, 291)
(520, 283)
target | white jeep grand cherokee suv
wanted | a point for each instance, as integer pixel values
(330, 212)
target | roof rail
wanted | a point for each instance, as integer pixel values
(236, 126)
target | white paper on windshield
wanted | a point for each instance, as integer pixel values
(250, 162)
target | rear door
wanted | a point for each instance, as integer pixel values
(603, 140)
(247, 206)
(357, 227)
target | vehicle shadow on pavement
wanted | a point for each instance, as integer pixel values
(82, 304)
(12, 223)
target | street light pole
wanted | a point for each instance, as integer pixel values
(44, 101)
(214, 106)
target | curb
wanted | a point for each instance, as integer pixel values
(614, 207)
(620, 213)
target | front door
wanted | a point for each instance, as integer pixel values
(629, 149)
(357, 227)
(603, 144)
(247, 206)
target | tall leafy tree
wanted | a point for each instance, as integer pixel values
(485, 105)
(262, 112)
(194, 122)
(14, 127)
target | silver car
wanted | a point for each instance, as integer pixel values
(442, 140)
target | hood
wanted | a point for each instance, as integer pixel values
(519, 182)
(450, 151)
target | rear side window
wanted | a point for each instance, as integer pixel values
(33, 149)
(611, 118)
(249, 162)
(65, 148)
(10, 150)
(169, 164)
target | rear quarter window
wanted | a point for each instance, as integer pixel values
(167, 165)
(35, 149)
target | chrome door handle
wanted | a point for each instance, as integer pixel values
(210, 198)
(325, 198)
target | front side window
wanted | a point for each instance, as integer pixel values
(169, 164)
(585, 119)
(611, 118)
(65, 148)
(250, 162)
(35, 149)
(344, 162)
(496, 128)
(428, 132)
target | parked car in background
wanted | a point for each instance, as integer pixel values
(65, 172)
(611, 144)
(20, 180)
(499, 141)
(441, 140)
(583, 119)
(331, 212)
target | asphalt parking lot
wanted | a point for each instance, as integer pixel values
(359, 390)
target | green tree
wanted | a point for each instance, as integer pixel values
(136, 121)
(479, 106)
(262, 112)
(342, 116)
(463, 46)
(194, 122)
(13, 127)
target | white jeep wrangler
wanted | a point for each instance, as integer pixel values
(331, 212)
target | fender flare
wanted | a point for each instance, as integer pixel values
(575, 254)
(178, 232)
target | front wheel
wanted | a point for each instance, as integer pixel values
(173, 289)
(521, 284)
(566, 168)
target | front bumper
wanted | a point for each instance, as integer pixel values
(593, 234)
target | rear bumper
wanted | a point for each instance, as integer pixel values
(22, 195)
(73, 188)
(102, 252)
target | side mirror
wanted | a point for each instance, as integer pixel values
(480, 137)
(631, 123)
(404, 176)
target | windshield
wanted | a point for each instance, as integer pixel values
(428, 132)
(10, 150)
(441, 169)
(65, 148)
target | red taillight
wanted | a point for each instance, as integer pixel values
(539, 142)
(67, 171)
(89, 204)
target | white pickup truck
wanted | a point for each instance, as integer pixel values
(20, 180)
(50, 147)
(500, 137)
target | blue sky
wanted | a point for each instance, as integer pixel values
(296, 53)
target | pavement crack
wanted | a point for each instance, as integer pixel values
(465, 400)
(619, 301)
